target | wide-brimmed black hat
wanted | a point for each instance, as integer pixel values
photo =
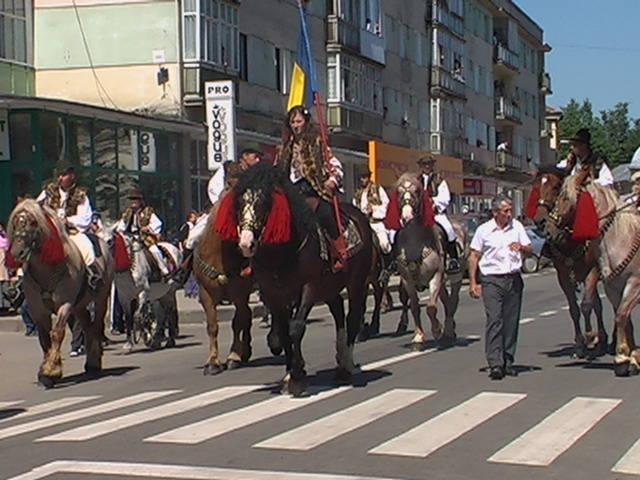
(64, 167)
(135, 194)
(426, 160)
(364, 173)
(583, 136)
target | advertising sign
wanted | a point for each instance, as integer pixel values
(221, 123)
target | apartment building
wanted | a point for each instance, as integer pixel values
(16, 48)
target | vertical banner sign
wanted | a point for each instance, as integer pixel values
(221, 123)
(4, 136)
(143, 150)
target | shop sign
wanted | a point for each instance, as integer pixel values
(472, 186)
(5, 154)
(145, 154)
(221, 146)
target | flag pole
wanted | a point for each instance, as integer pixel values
(317, 102)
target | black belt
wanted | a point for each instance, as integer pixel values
(501, 275)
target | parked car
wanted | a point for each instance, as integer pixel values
(537, 259)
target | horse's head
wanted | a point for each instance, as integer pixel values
(409, 192)
(549, 183)
(27, 228)
(562, 214)
(253, 209)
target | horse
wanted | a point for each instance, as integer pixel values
(217, 265)
(142, 295)
(289, 257)
(419, 254)
(55, 285)
(617, 254)
(378, 279)
(575, 264)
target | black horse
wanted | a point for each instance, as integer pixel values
(280, 235)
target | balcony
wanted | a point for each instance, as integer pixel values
(362, 42)
(545, 84)
(447, 84)
(507, 112)
(343, 33)
(343, 118)
(506, 62)
(449, 144)
(508, 161)
(445, 18)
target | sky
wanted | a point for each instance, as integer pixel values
(595, 50)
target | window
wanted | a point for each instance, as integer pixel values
(243, 58)
(13, 31)
(354, 82)
(372, 18)
(211, 33)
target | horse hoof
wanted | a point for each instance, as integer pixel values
(633, 369)
(343, 376)
(171, 343)
(296, 388)
(611, 349)
(210, 370)
(417, 347)
(402, 329)
(245, 357)
(276, 351)
(155, 344)
(92, 371)
(128, 347)
(233, 365)
(447, 341)
(622, 369)
(46, 381)
(364, 334)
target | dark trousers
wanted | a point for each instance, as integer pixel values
(502, 297)
(325, 213)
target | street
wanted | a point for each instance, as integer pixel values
(407, 415)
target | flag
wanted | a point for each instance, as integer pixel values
(303, 78)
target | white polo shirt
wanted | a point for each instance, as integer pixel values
(493, 243)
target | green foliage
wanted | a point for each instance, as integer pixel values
(613, 133)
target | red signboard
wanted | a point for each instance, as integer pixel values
(472, 186)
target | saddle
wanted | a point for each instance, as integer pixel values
(351, 234)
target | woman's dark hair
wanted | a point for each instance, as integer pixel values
(309, 128)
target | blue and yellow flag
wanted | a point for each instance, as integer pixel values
(303, 77)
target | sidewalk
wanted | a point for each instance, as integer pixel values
(189, 309)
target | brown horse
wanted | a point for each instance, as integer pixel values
(58, 288)
(575, 264)
(378, 279)
(420, 257)
(617, 251)
(217, 265)
(293, 269)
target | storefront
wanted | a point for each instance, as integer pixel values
(388, 162)
(114, 151)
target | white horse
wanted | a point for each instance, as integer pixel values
(141, 298)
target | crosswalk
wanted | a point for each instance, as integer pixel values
(539, 444)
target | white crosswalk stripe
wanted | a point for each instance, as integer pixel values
(214, 427)
(50, 406)
(545, 442)
(98, 429)
(10, 404)
(428, 437)
(630, 461)
(83, 413)
(321, 431)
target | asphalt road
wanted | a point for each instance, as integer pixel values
(431, 414)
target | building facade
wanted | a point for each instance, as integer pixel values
(17, 73)
(454, 77)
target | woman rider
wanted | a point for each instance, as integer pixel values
(301, 155)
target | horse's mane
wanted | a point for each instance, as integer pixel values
(408, 177)
(267, 178)
(552, 169)
(39, 213)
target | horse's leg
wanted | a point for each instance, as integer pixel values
(51, 369)
(172, 319)
(435, 288)
(241, 326)
(450, 297)
(43, 324)
(297, 325)
(92, 340)
(343, 370)
(627, 356)
(357, 293)
(587, 305)
(213, 366)
(403, 325)
(569, 289)
(414, 305)
(378, 293)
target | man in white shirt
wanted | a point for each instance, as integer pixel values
(142, 219)
(71, 203)
(438, 189)
(497, 249)
(582, 157)
(372, 200)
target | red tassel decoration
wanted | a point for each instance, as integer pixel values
(52, 250)
(428, 212)
(10, 261)
(226, 224)
(585, 224)
(120, 254)
(277, 228)
(392, 219)
(532, 203)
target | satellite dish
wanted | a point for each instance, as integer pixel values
(635, 160)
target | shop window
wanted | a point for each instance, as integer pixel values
(79, 141)
(167, 152)
(22, 182)
(20, 137)
(126, 183)
(52, 127)
(169, 206)
(105, 145)
(126, 157)
(106, 196)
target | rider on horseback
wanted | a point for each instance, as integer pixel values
(372, 200)
(141, 219)
(438, 189)
(582, 157)
(301, 155)
(71, 203)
